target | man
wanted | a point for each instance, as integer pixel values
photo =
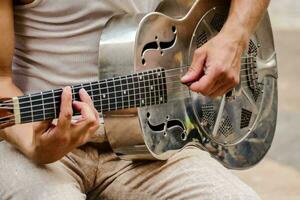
(48, 44)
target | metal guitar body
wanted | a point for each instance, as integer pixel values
(236, 129)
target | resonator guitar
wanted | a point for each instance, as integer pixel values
(141, 61)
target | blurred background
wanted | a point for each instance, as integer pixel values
(278, 175)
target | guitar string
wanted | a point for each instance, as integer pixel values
(242, 64)
(97, 84)
(12, 120)
(122, 77)
(109, 104)
(42, 115)
(107, 88)
(134, 94)
(157, 84)
(129, 91)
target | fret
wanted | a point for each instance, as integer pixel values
(147, 89)
(136, 90)
(141, 88)
(130, 91)
(88, 88)
(73, 93)
(104, 96)
(111, 94)
(92, 92)
(121, 92)
(151, 85)
(43, 106)
(133, 91)
(96, 95)
(118, 92)
(37, 108)
(156, 86)
(160, 83)
(25, 109)
(56, 101)
(164, 86)
(75, 97)
(125, 92)
(100, 97)
(49, 105)
(31, 107)
(115, 94)
(54, 104)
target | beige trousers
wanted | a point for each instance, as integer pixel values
(91, 173)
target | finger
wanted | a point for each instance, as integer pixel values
(84, 125)
(205, 84)
(66, 111)
(220, 91)
(84, 97)
(85, 110)
(196, 68)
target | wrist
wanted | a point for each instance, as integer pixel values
(236, 34)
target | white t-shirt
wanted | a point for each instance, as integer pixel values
(57, 41)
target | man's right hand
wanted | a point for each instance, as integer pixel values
(44, 142)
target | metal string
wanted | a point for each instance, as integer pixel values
(124, 77)
(128, 96)
(107, 88)
(114, 92)
(44, 110)
(151, 99)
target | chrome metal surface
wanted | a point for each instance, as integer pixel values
(116, 56)
(237, 129)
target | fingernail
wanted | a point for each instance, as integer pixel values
(83, 90)
(67, 89)
(185, 77)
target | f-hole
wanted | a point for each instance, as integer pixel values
(159, 45)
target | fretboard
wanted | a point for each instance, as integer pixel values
(130, 91)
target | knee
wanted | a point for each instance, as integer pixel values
(203, 176)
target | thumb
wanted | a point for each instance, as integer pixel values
(196, 68)
(40, 127)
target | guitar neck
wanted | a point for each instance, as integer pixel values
(130, 91)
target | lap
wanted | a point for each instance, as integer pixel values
(190, 174)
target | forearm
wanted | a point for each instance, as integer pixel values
(244, 15)
(19, 135)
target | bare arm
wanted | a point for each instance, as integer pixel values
(7, 88)
(42, 142)
(220, 56)
(244, 16)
